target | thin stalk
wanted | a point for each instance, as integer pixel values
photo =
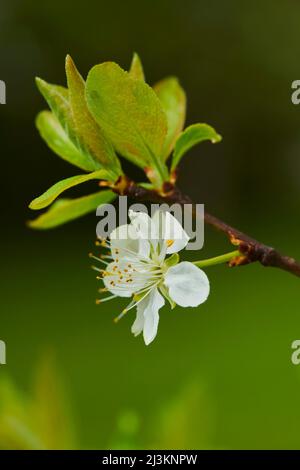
(217, 259)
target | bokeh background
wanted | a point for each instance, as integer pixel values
(216, 377)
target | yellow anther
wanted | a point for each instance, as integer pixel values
(169, 243)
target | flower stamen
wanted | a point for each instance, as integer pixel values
(105, 299)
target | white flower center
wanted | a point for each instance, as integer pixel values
(130, 274)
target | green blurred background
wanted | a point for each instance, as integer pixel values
(219, 376)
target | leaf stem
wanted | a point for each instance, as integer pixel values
(217, 259)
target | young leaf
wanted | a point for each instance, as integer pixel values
(85, 126)
(65, 210)
(191, 136)
(58, 141)
(136, 68)
(52, 193)
(173, 100)
(57, 98)
(130, 114)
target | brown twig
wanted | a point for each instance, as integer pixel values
(251, 250)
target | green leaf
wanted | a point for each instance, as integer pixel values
(52, 193)
(58, 141)
(136, 68)
(173, 100)
(191, 136)
(57, 98)
(65, 210)
(84, 124)
(130, 114)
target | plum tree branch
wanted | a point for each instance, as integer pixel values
(250, 249)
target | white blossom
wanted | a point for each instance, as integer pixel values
(143, 264)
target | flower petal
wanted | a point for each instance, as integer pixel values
(173, 237)
(147, 316)
(151, 316)
(145, 230)
(124, 242)
(188, 285)
(138, 323)
(142, 223)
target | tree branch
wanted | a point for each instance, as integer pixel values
(250, 249)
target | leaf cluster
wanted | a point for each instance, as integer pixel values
(111, 115)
